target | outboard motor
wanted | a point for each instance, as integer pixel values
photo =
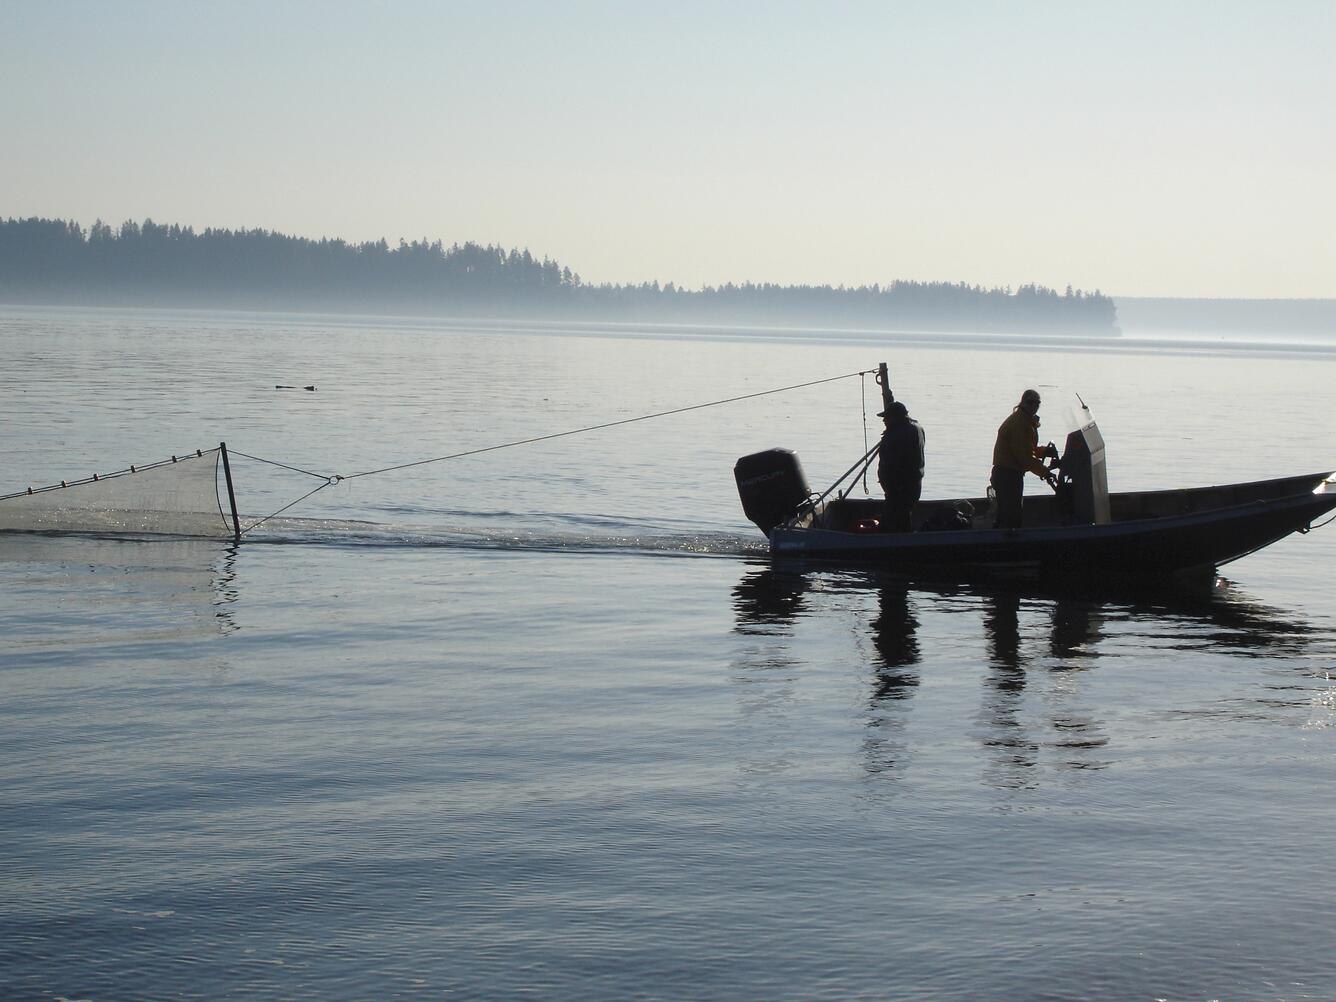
(1085, 485)
(771, 485)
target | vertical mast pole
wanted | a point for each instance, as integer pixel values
(231, 494)
(884, 381)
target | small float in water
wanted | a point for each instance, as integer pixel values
(1082, 535)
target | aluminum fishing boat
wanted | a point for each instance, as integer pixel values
(1081, 535)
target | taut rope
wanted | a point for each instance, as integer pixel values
(336, 478)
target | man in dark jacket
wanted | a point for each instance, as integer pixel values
(900, 467)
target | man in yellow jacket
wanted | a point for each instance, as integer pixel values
(1015, 454)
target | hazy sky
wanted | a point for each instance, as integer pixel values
(1141, 148)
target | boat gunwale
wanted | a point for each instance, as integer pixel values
(974, 537)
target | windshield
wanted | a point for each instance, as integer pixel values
(1075, 412)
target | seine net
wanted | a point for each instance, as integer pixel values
(178, 497)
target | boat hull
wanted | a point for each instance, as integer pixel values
(1168, 550)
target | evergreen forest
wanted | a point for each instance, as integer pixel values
(51, 261)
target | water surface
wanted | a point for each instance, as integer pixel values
(545, 721)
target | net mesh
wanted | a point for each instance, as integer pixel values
(178, 497)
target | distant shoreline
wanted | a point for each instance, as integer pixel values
(1137, 316)
(56, 263)
(59, 262)
(596, 306)
(807, 321)
(1180, 341)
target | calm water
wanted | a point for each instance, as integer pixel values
(544, 722)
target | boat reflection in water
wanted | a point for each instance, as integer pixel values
(1036, 710)
(895, 637)
(887, 750)
(1070, 729)
(769, 600)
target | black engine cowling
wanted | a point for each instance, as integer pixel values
(771, 485)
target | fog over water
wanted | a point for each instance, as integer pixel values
(1239, 320)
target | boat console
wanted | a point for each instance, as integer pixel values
(1083, 487)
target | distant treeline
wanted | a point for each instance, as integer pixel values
(55, 261)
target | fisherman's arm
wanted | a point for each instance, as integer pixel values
(1032, 455)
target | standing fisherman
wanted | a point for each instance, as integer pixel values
(900, 467)
(1015, 454)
